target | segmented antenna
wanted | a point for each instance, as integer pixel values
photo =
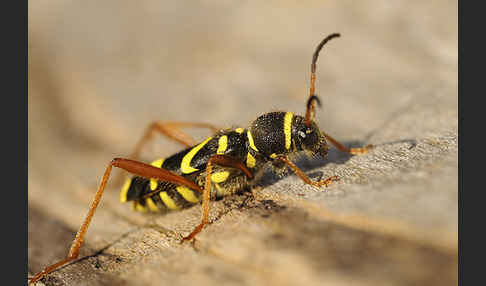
(312, 97)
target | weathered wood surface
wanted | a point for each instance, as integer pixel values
(99, 73)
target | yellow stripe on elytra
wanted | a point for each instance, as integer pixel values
(186, 161)
(158, 164)
(250, 161)
(220, 177)
(168, 201)
(239, 130)
(288, 129)
(222, 145)
(124, 190)
(187, 194)
(250, 141)
(151, 205)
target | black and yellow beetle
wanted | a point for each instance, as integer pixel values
(225, 163)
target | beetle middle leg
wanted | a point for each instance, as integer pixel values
(224, 161)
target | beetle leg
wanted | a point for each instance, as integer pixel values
(224, 161)
(134, 167)
(342, 148)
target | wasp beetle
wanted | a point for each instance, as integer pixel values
(224, 163)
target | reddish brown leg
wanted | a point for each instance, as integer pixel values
(170, 129)
(131, 166)
(205, 205)
(342, 148)
(224, 161)
(173, 131)
(304, 177)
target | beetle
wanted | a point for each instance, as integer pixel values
(222, 164)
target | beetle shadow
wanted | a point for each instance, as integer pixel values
(268, 176)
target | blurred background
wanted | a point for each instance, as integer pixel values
(101, 71)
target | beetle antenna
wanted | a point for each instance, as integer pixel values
(312, 97)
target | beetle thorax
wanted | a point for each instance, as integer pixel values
(272, 133)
